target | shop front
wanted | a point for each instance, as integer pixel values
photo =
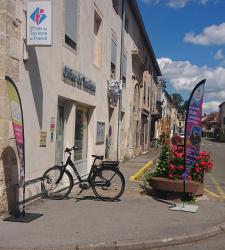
(70, 125)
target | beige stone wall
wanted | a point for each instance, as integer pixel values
(9, 64)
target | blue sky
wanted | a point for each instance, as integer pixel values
(188, 37)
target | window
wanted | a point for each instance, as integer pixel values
(124, 66)
(223, 120)
(148, 96)
(113, 59)
(97, 40)
(71, 23)
(144, 91)
(81, 134)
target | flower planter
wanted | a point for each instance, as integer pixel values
(165, 184)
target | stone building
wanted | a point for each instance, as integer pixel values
(222, 121)
(210, 125)
(66, 88)
(181, 123)
(167, 124)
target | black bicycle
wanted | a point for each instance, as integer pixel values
(105, 179)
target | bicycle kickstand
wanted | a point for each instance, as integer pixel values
(80, 191)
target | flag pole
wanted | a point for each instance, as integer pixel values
(14, 97)
(192, 123)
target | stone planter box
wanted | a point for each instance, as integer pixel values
(168, 185)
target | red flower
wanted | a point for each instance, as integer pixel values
(172, 167)
(179, 155)
(198, 170)
(180, 167)
(170, 176)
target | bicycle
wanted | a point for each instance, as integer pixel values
(106, 180)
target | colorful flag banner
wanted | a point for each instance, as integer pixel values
(18, 127)
(193, 127)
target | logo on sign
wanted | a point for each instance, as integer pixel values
(38, 16)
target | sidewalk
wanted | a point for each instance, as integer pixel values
(136, 222)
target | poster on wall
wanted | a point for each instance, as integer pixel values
(39, 23)
(100, 137)
(18, 126)
(193, 127)
(43, 138)
(52, 129)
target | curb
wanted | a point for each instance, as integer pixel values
(137, 245)
(152, 244)
(140, 173)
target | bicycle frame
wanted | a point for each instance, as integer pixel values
(72, 165)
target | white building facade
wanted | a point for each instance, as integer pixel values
(64, 87)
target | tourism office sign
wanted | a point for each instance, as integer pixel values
(39, 23)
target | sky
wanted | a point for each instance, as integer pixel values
(188, 38)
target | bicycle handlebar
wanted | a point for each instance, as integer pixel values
(68, 150)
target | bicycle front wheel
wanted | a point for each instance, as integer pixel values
(55, 186)
(108, 184)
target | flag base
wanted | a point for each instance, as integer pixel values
(24, 218)
(184, 208)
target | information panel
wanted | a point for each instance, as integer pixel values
(39, 23)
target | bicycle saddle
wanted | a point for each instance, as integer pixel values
(98, 157)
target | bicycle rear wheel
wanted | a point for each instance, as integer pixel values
(108, 184)
(54, 190)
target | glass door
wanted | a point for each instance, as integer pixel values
(81, 139)
(59, 135)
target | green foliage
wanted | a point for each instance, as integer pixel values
(162, 168)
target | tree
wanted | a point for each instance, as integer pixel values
(180, 103)
(178, 99)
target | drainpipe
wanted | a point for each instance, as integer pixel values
(121, 75)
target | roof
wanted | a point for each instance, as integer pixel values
(168, 96)
(135, 9)
(223, 103)
(211, 118)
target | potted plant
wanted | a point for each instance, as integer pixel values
(170, 167)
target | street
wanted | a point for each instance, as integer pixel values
(134, 221)
(215, 181)
(214, 189)
(214, 243)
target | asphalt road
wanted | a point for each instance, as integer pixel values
(215, 243)
(215, 181)
(215, 189)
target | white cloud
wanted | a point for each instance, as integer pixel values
(219, 55)
(204, 1)
(151, 2)
(211, 106)
(177, 4)
(211, 35)
(183, 76)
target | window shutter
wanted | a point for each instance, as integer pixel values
(71, 19)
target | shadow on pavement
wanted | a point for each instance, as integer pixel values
(213, 139)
